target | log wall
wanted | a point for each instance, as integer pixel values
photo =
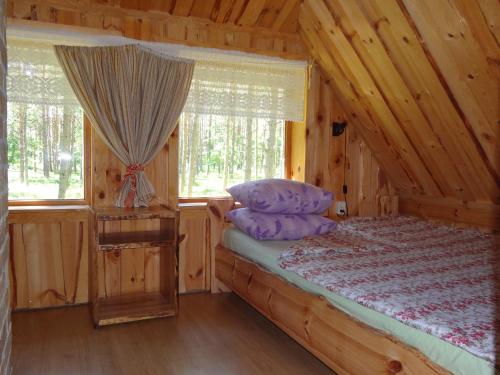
(5, 326)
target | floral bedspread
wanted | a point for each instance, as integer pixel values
(435, 278)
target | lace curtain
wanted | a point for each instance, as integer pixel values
(35, 76)
(267, 91)
(223, 84)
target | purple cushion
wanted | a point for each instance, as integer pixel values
(282, 196)
(262, 226)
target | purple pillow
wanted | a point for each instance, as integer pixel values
(281, 196)
(262, 226)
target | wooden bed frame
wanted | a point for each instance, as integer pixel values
(343, 343)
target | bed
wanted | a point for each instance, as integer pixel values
(346, 335)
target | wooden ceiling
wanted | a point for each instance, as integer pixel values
(420, 81)
(278, 15)
(259, 26)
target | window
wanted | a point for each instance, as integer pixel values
(45, 131)
(233, 126)
(219, 151)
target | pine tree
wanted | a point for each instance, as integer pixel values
(65, 151)
(248, 150)
(23, 162)
(193, 154)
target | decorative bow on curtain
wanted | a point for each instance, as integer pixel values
(133, 97)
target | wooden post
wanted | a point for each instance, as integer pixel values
(217, 209)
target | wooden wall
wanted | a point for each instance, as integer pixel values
(259, 27)
(5, 326)
(332, 161)
(194, 249)
(265, 27)
(418, 80)
(49, 256)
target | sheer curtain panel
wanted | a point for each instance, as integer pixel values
(257, 90)
(133, 97)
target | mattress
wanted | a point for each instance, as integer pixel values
(450, 357)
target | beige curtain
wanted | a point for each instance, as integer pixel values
(133, 97)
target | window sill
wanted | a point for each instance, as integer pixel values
(48, 214)
(55, 208)
(184, 205)
(183, 200)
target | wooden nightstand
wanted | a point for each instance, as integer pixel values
(133, 264)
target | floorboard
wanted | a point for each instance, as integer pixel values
(213, 334)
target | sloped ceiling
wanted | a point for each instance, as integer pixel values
(278, 15)
(420, 81)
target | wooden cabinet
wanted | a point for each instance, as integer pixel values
(134, 264)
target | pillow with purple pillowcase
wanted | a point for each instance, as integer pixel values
(282, 196)
(264, 226)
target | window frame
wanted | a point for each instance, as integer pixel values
(87, 168)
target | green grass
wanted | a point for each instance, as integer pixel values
(40, 187)
(212, 185)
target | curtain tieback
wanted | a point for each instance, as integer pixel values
(131, 173)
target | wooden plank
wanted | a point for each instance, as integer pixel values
(111, 265)
(151, 270)
(74, 248)
(298, 150)
(44, 214)
(318, 326)
(312, 126)
(354, 172)
(370, 94)
(183, 7)
(399, 99)
(132, 260)
(222, 11)
(464, 66)
(482, 32)
(283, 14)
(19, 286)
(132, 240)
(122, 309)
(489, 9)
(251, 13)
(387, 156)
(193, 250)
(415, 66)
(149, 25)
(132, 270)
(485, 215)
(44, 264)
(203, 8)
(141, 215)
(216, 210)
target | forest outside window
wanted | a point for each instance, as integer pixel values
(233, 126)
(219, 151)
(45, 127)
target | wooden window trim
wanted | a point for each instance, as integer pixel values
(201, 200)
(86, 179)
(288, 149)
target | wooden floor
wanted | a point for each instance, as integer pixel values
(213, 334)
